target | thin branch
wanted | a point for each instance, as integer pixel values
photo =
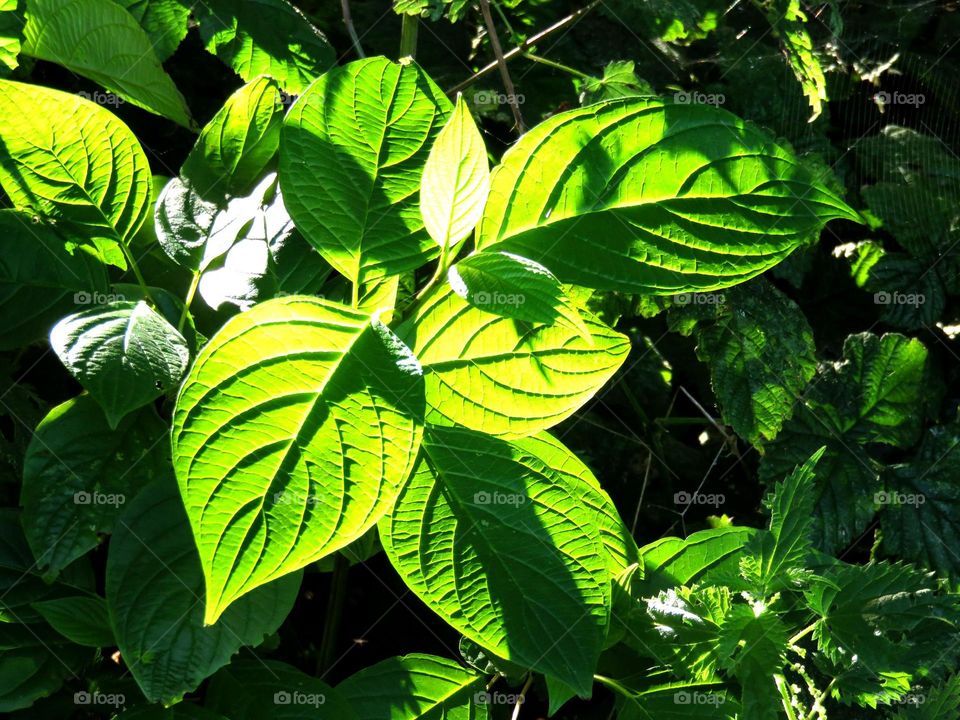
(502, 63)
(351, 30)
(522, 47)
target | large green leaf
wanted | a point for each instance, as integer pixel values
(74, 162)
(415, 687)
(154, 592)
(265, 37)
(503, 376)
(40, 279)
(100, 40)
(586, 193)
(456, 180)
(165, 22)
(11, 35)
(292, 435)
(79, 473)
(256, 689)
(352, 152)
(506, 542)
(125, 354)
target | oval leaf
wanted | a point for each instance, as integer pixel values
(82, 619)
(125, 354)
(292, 435)
(352, 151)
(587, 193)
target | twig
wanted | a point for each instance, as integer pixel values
(554, 64)
(526, 686)
(409, 29)
(351, 30)
(504, 72)
(522, 47)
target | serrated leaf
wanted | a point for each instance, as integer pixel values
(292, 434)
(164, 21)
(503, 376)
(255, 689)
(505, 541)
(74, 162)
(585, 194)
(752, 647)
(942, 701)
(619, 80)
(704, 557)
(352, 151)
(455, 181)
(40, 279)
(154, 591)
(265, 37)
(100, 40)
(760, 352)
(415, 687)
(789, 23)
(124, 353)
(82, 619)
(79, 473)
(514, 287)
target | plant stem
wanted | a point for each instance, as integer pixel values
(188, 300)
(522, 47)
(355, 294)
(351, 30)
(331, 624)
(555, 64)
(136, 271)
(803, 633)
(408, 36)
(502, 63)
(523, 697)
(443, 263)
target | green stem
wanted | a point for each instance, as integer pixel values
(355, 294)
(615, 686)
(443, 263)
(523, 697)
(555, 64)
(408, 36)
(188, 300)
(803, 633)
(331, 625)
(136, 271)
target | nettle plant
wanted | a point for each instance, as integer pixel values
(409, 326)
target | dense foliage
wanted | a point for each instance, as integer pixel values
(497, 359)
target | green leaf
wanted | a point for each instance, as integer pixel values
(920, 504)
(942, 701)
(165, 22)
(79, 473)
(513, 544)
(514, 287)
(40, 279)
(155, 596)
(585, 193)
(415, 687)
(352, 152)
(292, 435)
(11, 35)
(456, 180)
(777, 556)
(752, 646)
(265, 37)
(73, 162)
(100, 40)
(704, 557)
(82, 619)
(619, 81)
(760, 352)
(682, 700)
(34, 663)
(180, 711)
(503, 376)
(789, 23)
(238, 145)
(256, 689)
(125, 354)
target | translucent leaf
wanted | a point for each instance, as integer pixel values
(165, 22)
